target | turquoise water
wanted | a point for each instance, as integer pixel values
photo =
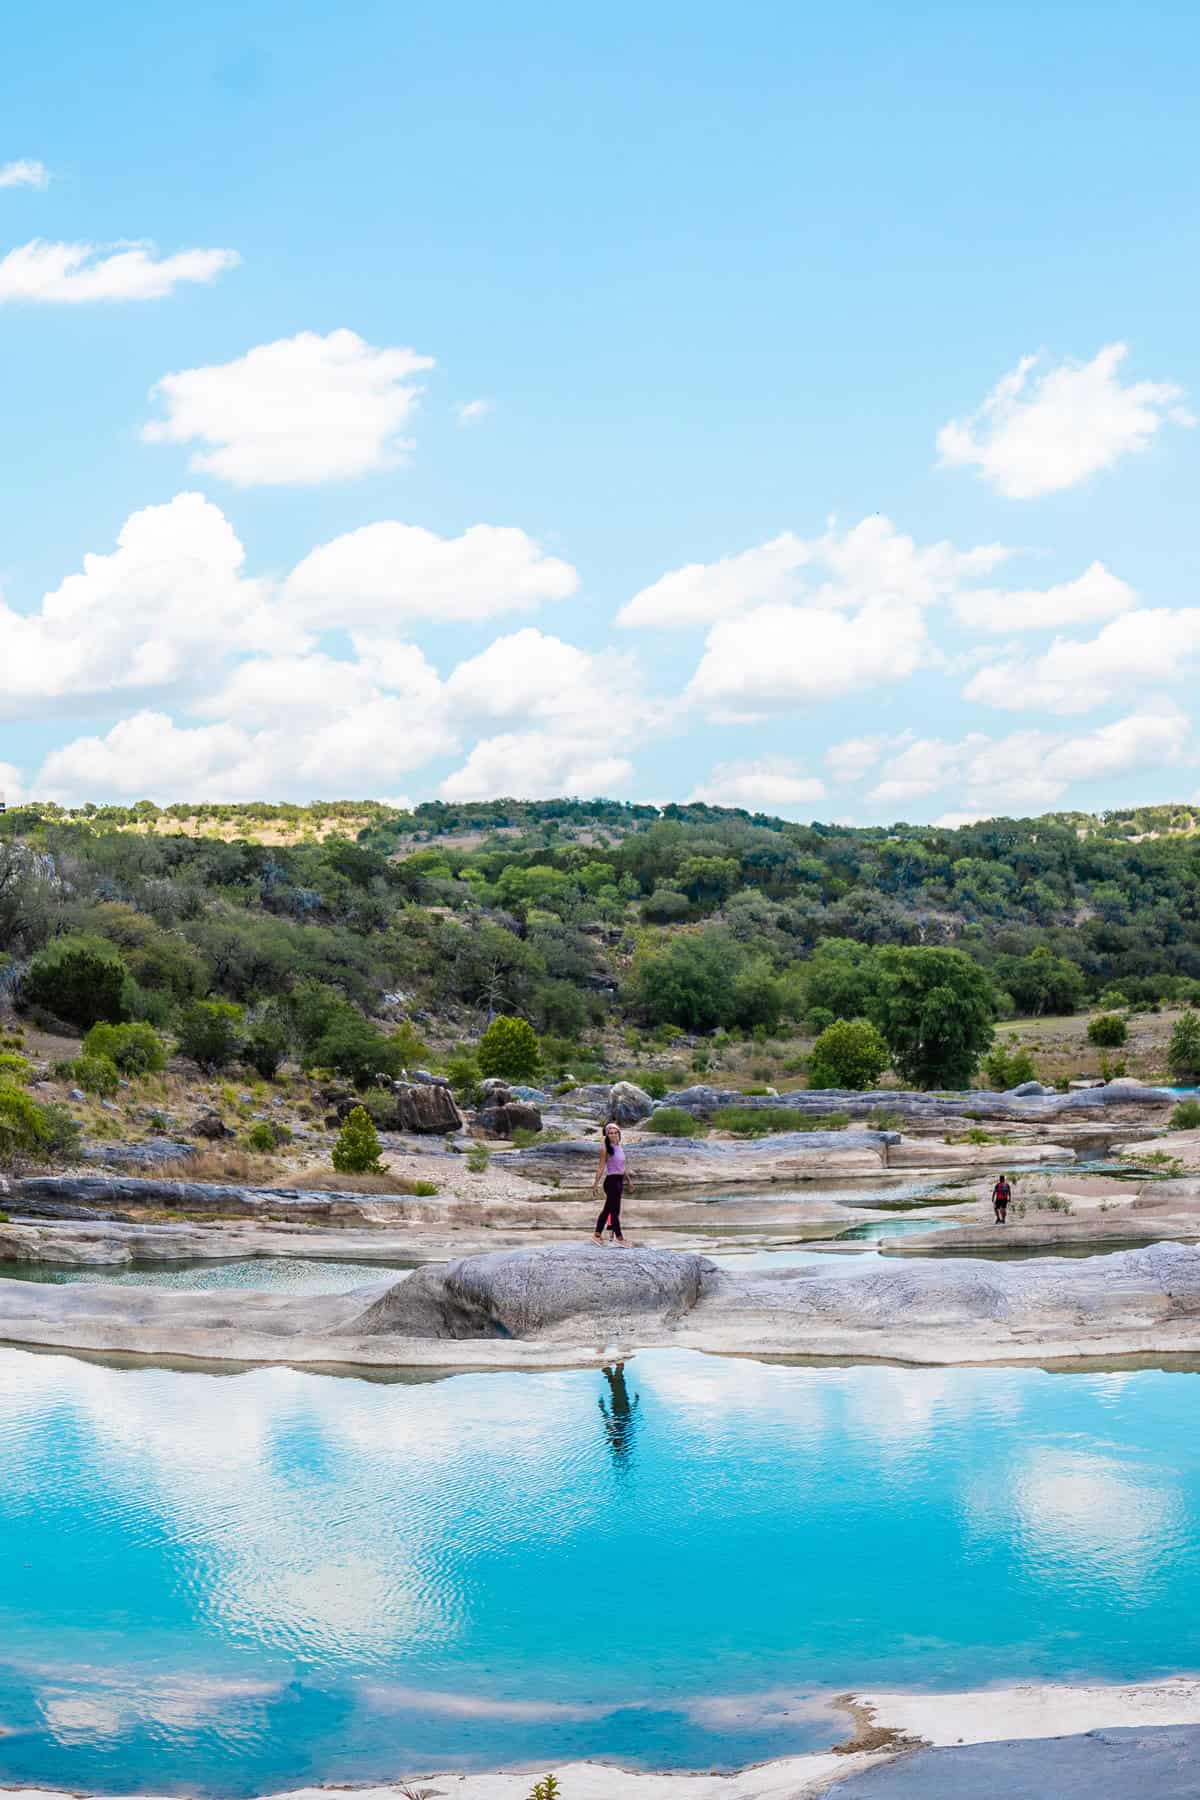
(285, 1275)
(240, 1583)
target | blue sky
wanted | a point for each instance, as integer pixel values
(688, 483)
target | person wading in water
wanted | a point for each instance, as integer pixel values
(612, 1172)
(1001, 1195)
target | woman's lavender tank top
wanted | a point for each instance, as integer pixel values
(616, 1161)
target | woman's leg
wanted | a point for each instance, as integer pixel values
(602, 1221)
(614, 1186)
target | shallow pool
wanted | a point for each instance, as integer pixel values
(282, 1274)
(246, 1582)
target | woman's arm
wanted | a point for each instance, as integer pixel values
(599, 1168)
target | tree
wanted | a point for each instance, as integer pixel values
(936, 1010)
(690, 982)
(1004, 1068)
(1107, 1030)
(77, 978)
(1183, 1050)
(350, 1045)
(509, 1049)
(357, 1151)
(850, 1053)
(135, 1049)
(1041, 982)
(840, 977)
(210, 1033)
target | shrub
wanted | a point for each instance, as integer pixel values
(885, 1118)
(135, 1049)
(509, 1049)
(14, 1067)
(96, 1075)
(357, 1151)
(653, 1082)
(266, 1043)
(424, 1190)
(351, 1046)
(665, 907)
(265, 1136)
(848, 1054)
(1004, 1068)
(27, 1128)
(1183, 1050)
(77, 978)
(478, 1158)
(1186, 1116)
(1108, 1029)
(820, 1019)
(462, 1071)
(673, 1121)
(210, 1033)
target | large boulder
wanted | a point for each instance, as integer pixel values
(211, 1125)
(513, 1115)
(425, 1108)
(560, 1290)
(628, 1104)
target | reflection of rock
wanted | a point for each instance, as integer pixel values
(512, 1115)
(529, 1293)
(628, 1104)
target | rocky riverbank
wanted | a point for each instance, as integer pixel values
(573, 1304)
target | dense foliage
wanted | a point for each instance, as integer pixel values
(850, 1053)
(573, 915)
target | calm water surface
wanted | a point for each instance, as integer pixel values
(238, 1583)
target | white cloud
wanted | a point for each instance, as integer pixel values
(535, 765)
(1030, 771)
(1037, 434)
(68, 274)
(850, 760)
(872, 561)
(163, 608)
(302, 410)
(1077, 675)
(775, 656)
(1096, 594)
(12, 784)
(470, 412)
(771, 784)
(390, 573)
(26, 172)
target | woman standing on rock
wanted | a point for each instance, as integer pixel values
(612, 1172)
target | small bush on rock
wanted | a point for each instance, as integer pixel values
(358, 1150)
(266, 1137)
(1186, 1116)
(509, 1049)
(1004, 1068)
(96, 1075)
(1108, 1029)
(673, 1121)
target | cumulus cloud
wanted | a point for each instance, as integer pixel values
(872, 561)
(771, 658)
(535, 765)
(389, 572)
(1030, 771)
(302, 410)
(771, 784)
(1077, 675)
(164, 607)
(1096, 594)
(26, 172)
(70, 274)
(850, 760)
(1042, 429)
(471, 412)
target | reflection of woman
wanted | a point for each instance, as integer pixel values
(612, 1172)
(618, 1415)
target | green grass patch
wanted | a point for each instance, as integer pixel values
(765, 1121)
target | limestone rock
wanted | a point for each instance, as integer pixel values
(150, 1155)
(513, 1115)
(628, 1104)
(533, 1293)
(212, 1127)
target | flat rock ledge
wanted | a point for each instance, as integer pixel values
(575, 1304)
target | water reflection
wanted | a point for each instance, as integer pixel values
(237, 1586)
(619, 1414)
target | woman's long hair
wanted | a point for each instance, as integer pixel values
(609, 1146)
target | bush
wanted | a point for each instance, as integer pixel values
(705, 980)
(509, 1049)
(762, 1121)
(96, 1075)
(673, 1121)
(358, 1150)
(1186, 1116)
(210, 1033)
(14, 1067)
(77, 978)
(653, 1082)
(135, 1049)
(665, 907)
(1004, 1068)
(848, 1054)
(820, 1019)
(266, 1043)
(424, 1190)
(1108, 1029)
(28, 1129)
(266, 1137)
(351, 1046)
(478, 1158)
(1183, 1050)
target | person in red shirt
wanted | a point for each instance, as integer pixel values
(1001, 1195)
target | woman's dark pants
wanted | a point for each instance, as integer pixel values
(610, 1214)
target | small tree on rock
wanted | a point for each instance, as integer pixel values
(509, 1049)
(850, 1053)
(358, 1150)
